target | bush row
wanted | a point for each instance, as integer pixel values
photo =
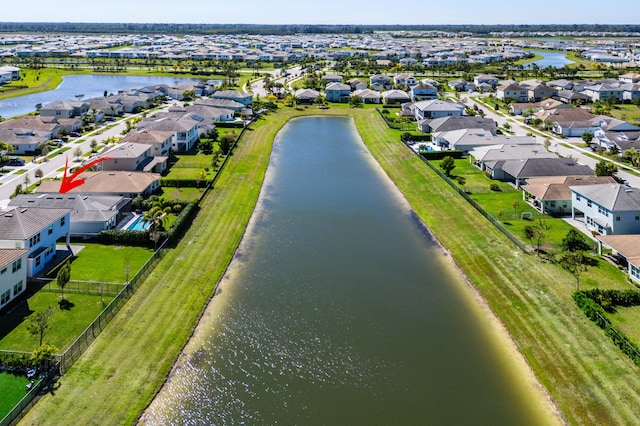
(125, 237)
(439, 155)
(229, 124)
(183, 183)
(596, 313)
(15, 361)
(182, 222)
(408, 137)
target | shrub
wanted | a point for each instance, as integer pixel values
(495, 187)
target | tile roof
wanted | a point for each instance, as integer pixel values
(614, 197)
(7, 256)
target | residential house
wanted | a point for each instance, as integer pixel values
(552, 195)
(436, 108)
(632, 77)
(367, 96)
(406, 80)
(445, 124)
(107, 107)
(306, 96)
(568, 121)
(160, 141)
(466, 140)
(607, 209)
(332, 78)
(120, 183)
(36, 230)
(14, 72)
(44, 126)
(631, 91)
(513, 91)
(571, 97)
(395, 97)
(485, 79)
(90, 214)
(185, 130)
(338, 92)
(357, 84)
(13, 275)
(134, 157)
(518, 171)
(604, 91)
(626, 251)
(244, 98)
(540, 91)
(380, 81)
(64, 109)
(423, 92)
(462, 85)
(23, 141)
(485, 157)
(227, 104)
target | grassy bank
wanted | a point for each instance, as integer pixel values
(589, 379)
(34, 81)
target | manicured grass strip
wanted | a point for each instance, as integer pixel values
(12, 389)
(589, 379)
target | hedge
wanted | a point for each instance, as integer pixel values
(591, 303)
(415, 138)
(229, 124)
(183, 183)
(439, 155)
(125, 237)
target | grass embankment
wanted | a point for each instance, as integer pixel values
(34, 81)
(117, 377)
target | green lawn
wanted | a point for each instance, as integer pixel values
(12, 389)
(627, 112)
(107, 262)
(628, 320)
(182, 194)
(65, 324)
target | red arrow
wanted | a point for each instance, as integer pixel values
(70, 183)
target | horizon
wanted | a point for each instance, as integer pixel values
(330, 12)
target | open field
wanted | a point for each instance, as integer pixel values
(588, 378)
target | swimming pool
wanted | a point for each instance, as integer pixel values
(138, 225)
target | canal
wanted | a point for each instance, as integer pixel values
(340, 308)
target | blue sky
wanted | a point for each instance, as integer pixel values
(326, 11)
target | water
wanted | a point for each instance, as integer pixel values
(89, 85)
(339, 309)
(138, 225)
(552, 59)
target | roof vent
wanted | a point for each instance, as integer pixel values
(23, 210)
(8, 215)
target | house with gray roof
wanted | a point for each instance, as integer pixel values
(466, 140)
(395, 97)
(90, 214)
(513, 90)
(64, 109)
(518, 171)
(486, 156)
(133, 157)
(120, 183)
(36, 230)
(338, 92)
(367, 96)
(436, 108)
(423, 92)
(612, 209)
(449, 123)
(185, 130)
(244, 98)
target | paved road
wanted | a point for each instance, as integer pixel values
(559, 146)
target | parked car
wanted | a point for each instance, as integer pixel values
(57, 141)
(75, 134)
(15, 161)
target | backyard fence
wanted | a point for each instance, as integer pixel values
(21, 407)
(95, 288)
(475, 205)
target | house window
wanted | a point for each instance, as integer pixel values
(635, 271)
(17, 288)
(588, 203)
(617, 218)
(15, 266)
(637, 217)
(38, 261)
(3, 270)
(578, 198)
(62, 220)
(50, 230)
(5, 297)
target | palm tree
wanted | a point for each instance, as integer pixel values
(156, 218)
